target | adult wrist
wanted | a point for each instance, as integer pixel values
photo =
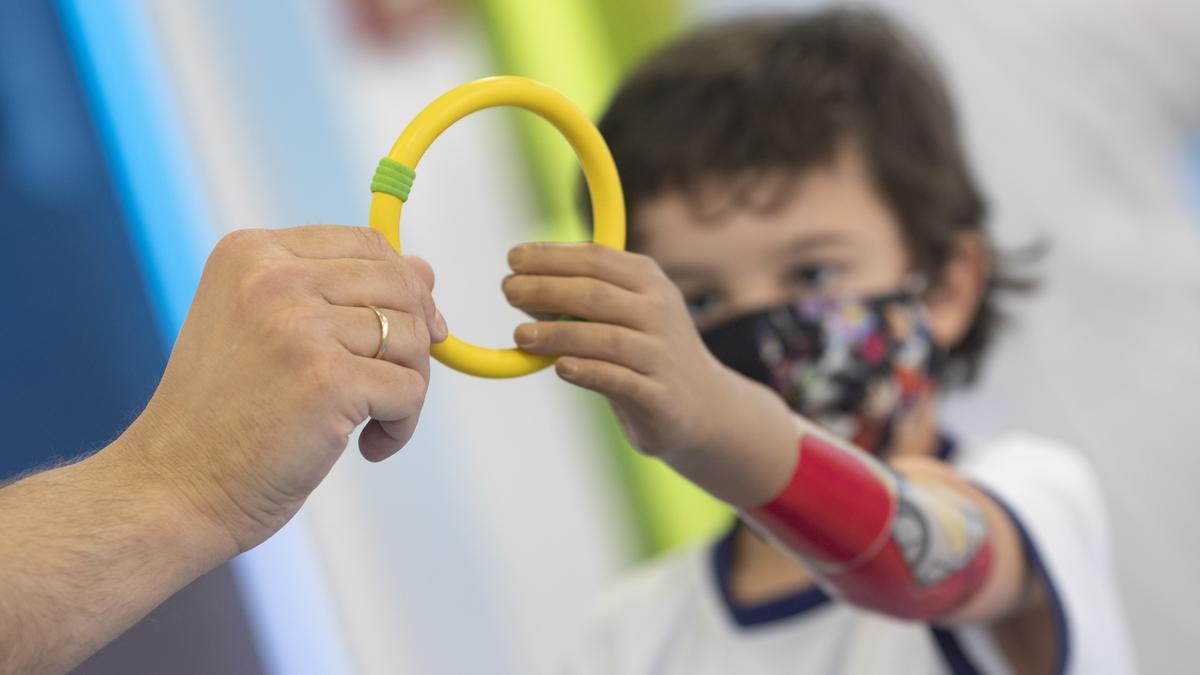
(180, 507)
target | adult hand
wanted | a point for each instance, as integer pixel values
(275, 368)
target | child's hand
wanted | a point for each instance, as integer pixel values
(638, 347)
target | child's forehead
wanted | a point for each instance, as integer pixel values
(834, 206)
(672, 232)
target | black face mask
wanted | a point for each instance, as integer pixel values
(855, 365)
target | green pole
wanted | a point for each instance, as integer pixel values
(582, 47)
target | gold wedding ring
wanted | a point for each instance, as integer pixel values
(383, 331)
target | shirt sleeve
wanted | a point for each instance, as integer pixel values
(1055, 501)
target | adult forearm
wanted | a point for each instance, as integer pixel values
(89, 548)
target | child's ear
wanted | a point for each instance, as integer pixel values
(954, 301)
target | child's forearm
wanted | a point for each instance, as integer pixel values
(913, 541)
(748, 454)
(876, 537)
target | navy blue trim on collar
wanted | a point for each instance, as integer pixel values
(947, 448)
(953, 652)
(746, 616)
(947, 641)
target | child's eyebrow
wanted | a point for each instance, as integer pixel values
(811, 242)
(808, 243)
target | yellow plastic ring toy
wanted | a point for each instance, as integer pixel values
(396, 171)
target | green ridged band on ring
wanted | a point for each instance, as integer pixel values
(393, 178)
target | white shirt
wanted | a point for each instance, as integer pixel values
(673, 616)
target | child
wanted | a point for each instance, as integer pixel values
(811, 274)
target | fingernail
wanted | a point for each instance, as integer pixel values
(516, 256)
(441, 330)
(525, 335)
(565, 367)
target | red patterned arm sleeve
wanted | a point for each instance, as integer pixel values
(875, 538)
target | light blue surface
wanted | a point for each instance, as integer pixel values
(156, 180)
(145, 150)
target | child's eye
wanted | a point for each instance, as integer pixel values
(701, 305)
(810, 278)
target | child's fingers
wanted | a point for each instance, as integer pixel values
(630, 271)
(601, 341)
(615, 382)
(542, 316)
(581, 297)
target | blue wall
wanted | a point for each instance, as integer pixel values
(80, 349)
(81, 344)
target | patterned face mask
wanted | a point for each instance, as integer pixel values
(854, 365)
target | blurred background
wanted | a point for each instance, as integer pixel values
(134, 133)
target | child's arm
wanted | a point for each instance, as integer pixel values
(914, 540)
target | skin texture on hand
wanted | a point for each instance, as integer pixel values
(272, 372)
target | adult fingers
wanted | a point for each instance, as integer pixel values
(390, 284)
(422, 269)
(393, 396)
(379, 440)
(334, 241)
(360, 331)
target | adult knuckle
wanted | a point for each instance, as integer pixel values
(269, 278)
(374, 244)
(406, 281)
(416, 332)
(289, 331)
(408, 390)
(238, 240)
(418, 387)
(339, 429)
(328, 375)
